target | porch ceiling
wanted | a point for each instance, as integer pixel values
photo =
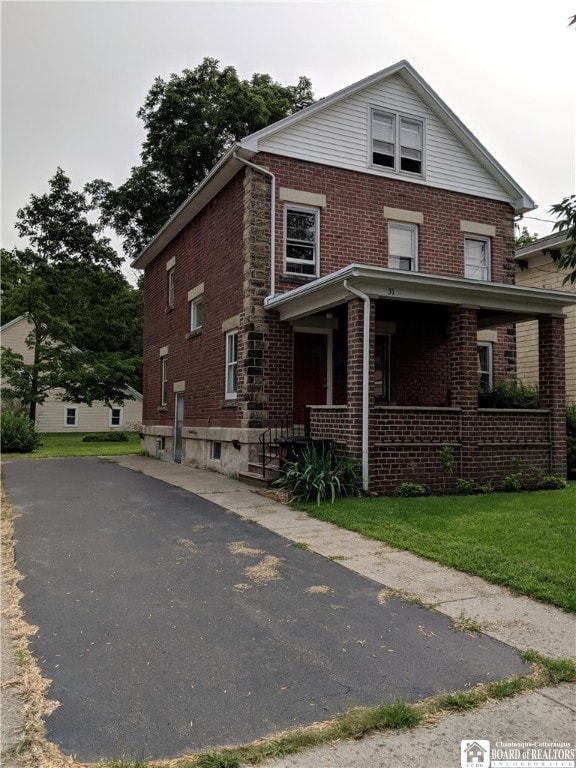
(499, 304)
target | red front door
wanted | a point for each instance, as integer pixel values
(310, 382)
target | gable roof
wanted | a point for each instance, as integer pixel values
(230, 164)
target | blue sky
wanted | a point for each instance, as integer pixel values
(75, 73)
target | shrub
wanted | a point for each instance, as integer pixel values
(514, 394)
(106, 437)
(411, 490)
(18, 433)
(512, 482)
(319, 475)
(465, 487)
(551, 483)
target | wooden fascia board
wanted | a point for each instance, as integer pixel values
(395, 285)
(219, 176)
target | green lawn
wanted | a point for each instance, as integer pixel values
(524, 541)
(61, 444)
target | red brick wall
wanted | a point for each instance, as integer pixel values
(208, 250)
(405, 444)
(353, 228)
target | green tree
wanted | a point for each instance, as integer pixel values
(85, 318)
(525, 238)
(190, 120)
(565, 212)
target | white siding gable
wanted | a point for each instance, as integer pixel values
(340, 134)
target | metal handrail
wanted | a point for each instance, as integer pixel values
(269, 440)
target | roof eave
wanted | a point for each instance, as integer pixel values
(398, 285)
(224, 170)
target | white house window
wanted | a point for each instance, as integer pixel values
(397, 142)
(164, 380)
(402, 246)
(115, 417)
(485, 379)
(231, 365)
(196, 313)
(71, 416)
(477, 257)
(301, 240)
(171, 286)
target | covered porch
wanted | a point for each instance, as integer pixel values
(402, 378)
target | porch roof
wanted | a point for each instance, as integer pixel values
(499, 303)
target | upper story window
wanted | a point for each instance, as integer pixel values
(301, 228)
(231, 365)
(397, 142)
(403, 246)
(477, 257)
(196, 306)
(171, 285)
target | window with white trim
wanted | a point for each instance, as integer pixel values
(301, 229)
(171, 286)
(397, 142)
(115, 417)
(164, 380)
(485, 367)
(402, 246)
(71, 416)
(231, 365)
(196, 306)
(477, 257)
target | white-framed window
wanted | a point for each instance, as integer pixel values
(164, 380)
(171, 277)
(477, 257)
(196, 307)
(231, 365)
(71, 416)
(116, 417)
(397, 142)
(301, 228)
(485, 367)
(402, 246)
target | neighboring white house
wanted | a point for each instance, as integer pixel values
(54, 415)
(536, 268)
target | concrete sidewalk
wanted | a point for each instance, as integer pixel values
(546, 716)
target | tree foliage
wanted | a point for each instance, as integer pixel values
(525, 238)
(565, 212)
(190, 120)
(85, 318)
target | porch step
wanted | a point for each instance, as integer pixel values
(271, 471)
(252, 478)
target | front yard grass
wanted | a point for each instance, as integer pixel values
(524, 541)
(66, 444)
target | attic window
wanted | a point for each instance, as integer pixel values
(397, 142)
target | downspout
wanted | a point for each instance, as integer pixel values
(266, 172)
(365, 382)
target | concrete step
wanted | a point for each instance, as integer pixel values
(256, 479)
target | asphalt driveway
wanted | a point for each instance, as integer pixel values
(168, 624)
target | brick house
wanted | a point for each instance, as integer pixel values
(348, 267)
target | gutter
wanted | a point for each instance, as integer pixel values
(365, 381)
(266, 172)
